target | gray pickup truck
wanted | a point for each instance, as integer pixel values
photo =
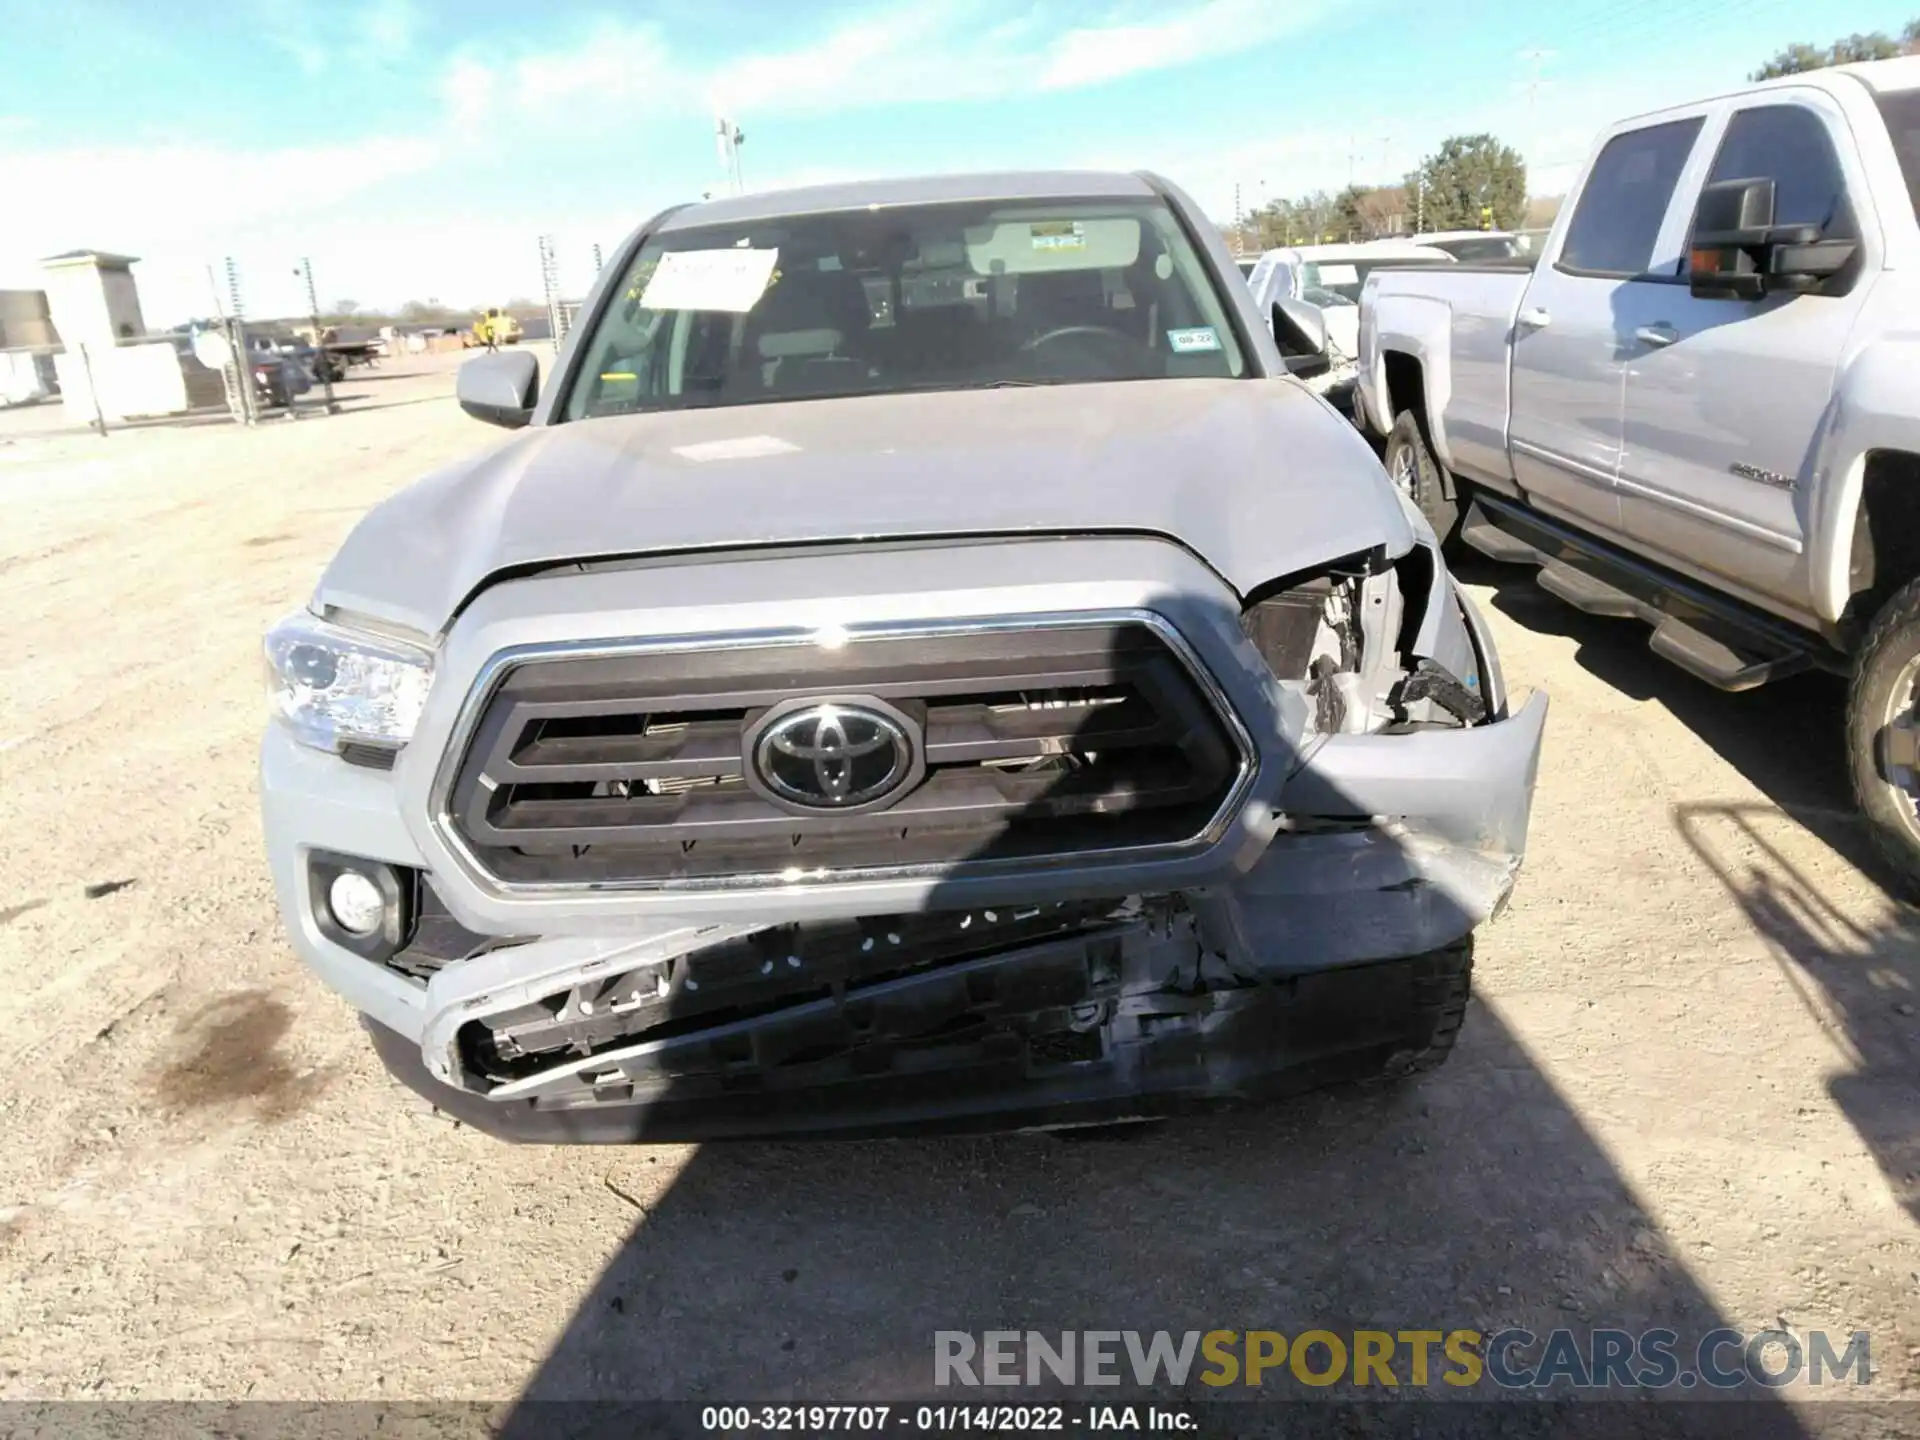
(1701, 409)
(922, 662)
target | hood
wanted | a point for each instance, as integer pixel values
(1257, 477)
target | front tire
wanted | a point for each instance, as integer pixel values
(1883, 735)
(1442, 985)
(1417, 474)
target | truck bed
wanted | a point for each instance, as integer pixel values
(1458, 320)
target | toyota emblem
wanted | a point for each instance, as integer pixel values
(835, 755)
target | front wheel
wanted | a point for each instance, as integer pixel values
(1442, 985)
(1416, 473)
(1883, 734)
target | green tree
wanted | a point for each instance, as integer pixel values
(1471, 182)
(1871, 45)
(1349, 215)
(1794, 60)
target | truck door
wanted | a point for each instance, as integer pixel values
(1726, 397)
(1565, 425)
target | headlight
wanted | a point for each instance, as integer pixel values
(330, 685)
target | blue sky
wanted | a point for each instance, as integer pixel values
(414, 148)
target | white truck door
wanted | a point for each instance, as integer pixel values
(1725, 398)
(1565, 426)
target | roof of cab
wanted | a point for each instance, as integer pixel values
(1010, 185)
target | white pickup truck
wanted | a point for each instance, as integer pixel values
(1701, 406)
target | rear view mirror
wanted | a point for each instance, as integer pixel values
(500, 388)
(1300, 330)
(1738, 253)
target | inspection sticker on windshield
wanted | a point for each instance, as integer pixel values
(731, 280)
(1193, 342)
(1058, 235)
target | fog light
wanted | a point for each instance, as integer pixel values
(356, 902)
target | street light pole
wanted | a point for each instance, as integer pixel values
(325, 365)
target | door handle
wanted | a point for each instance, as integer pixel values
(1534, 319)
(1656, 335)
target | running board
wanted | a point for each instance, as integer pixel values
(1709, 636)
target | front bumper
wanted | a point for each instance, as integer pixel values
(1271, 958)
(1283, 975)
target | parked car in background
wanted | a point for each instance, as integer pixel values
(1476, 245)
(1329, 278)
(1700, 409)
(1033, 710)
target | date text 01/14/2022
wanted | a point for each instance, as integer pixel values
(991, 1419)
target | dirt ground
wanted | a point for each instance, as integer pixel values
(1688, 1093)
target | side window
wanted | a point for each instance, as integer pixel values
(1625, 200)
(1901, 110)
(1789, 145)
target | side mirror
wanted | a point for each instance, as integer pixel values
(500, 388)
(1738, 253)
(1300, 330)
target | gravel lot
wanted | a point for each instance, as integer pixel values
(1689, 1093)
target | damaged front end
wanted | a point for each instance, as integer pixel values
(1343, 950)
(1155, 846)
(1044, 1017)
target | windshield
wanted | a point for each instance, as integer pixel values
(913, 297)
(1901, 110)
(1329, 283)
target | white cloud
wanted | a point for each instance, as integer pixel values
(1095, 54)
(934, 51)
(388, 28)
(373, 35)
(180, 199)
(877, 60)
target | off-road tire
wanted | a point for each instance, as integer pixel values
(1892, 645)
(1412, 467)
(1442, 984)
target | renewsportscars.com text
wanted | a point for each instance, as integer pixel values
(1509, 1359)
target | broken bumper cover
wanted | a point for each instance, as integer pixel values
(1292, 970)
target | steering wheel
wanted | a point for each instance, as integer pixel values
(1122, 350)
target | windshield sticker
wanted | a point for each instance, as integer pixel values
(1336, 274)
(1196, 341)
(1058, 235)
(728, 280)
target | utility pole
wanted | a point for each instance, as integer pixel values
(1536, 57)
(1350, 152)
(1239, 223)
(325, 366)
(550, 279)
(237, 339)
(730, 138)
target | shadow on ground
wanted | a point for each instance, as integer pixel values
(1477, 1200)
(1858, 976)
(1787, 738)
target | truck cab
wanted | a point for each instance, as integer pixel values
(1698, 407)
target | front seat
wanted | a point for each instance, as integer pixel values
(1057, 299)
(808, 332)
